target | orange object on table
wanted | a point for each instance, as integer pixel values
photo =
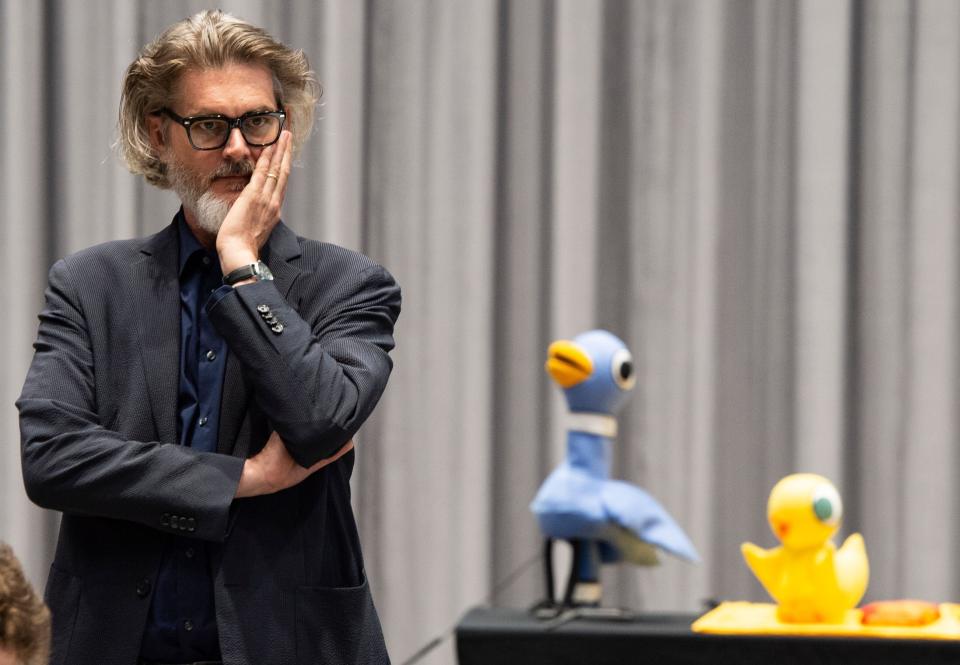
(899, 613)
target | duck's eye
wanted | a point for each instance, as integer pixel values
(622, 369)
(827, 505)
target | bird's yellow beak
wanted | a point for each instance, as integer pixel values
(568, 363)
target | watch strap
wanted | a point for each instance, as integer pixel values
(258, 270)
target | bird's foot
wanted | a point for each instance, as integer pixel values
(556, 615)
(546, 609)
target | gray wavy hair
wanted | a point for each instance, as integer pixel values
(207, 40)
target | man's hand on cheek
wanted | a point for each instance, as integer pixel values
(257, 210)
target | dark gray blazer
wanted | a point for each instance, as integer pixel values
(98, 418)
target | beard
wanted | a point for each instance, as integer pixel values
(194, 191)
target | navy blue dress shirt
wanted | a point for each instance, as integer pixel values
(182, 625)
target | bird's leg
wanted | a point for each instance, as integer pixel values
(548, 570)
(583, 585)
(547, 608)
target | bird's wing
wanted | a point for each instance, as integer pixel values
(852, 568)
(765, 564)
(568, 504)
(618, 544)
(635, 510)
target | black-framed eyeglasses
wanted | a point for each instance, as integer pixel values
(211, 132)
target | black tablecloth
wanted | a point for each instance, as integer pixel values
(492, 636)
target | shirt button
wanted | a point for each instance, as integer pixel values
(143, 588)
(202, 421)
(211, 356)
(206, 260)
(188, 625)
(189, 553)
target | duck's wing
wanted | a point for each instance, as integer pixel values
(767, 566)
(852, 568)
(636, 511)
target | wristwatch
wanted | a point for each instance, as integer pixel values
(259, 271)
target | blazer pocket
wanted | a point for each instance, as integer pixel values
(339, 625)
(63, 598)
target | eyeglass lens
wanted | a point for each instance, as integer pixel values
(256, 129)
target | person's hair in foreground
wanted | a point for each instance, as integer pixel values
(24, 619)
(207, 40)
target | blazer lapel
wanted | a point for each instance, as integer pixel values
(278, 253)
(157, 297)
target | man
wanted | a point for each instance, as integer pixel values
(193, 396)
(24, 619)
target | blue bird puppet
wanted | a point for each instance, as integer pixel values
(605, 520)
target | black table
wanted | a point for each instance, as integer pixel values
(492, 636)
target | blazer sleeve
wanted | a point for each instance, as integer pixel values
(73, 464)
(320, 372)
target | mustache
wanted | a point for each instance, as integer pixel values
(233, 169)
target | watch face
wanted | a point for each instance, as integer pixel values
(262, 271)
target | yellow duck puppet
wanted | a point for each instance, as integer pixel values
(811, 580)
(817, 586)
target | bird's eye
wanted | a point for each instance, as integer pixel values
(622, 369)
(827, 505)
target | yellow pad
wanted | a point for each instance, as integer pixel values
(742, 618)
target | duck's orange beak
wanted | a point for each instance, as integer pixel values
(781, 528)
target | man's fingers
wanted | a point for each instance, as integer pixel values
(262, 167)
(271, 173)
(347, 447)
(281, 166)
(275, 441)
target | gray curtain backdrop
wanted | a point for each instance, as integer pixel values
(759, 196)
